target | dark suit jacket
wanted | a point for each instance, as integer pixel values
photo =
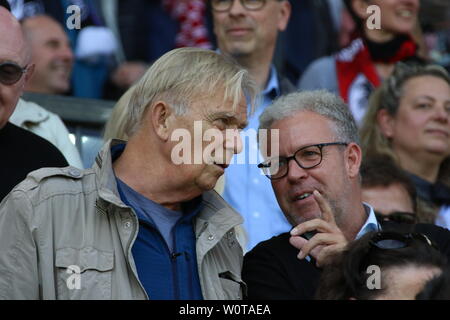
(23, 152)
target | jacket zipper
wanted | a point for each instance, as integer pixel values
(129, 254)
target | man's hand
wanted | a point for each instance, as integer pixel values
(328, 239)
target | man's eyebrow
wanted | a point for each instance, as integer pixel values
(232, 117)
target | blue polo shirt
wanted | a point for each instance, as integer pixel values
(164, 251)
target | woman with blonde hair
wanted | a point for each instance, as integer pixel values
(409, 120)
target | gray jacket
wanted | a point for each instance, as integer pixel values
(65, 234)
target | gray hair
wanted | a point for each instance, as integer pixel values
(392, 89)
(321, 102)
(182, 75)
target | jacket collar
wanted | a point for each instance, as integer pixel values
(106, 180)
(215, 212)
(29, 112)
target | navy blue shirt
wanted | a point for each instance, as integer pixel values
(166, 264)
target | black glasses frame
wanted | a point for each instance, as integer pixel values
(263, 3)
(266, 164)
(20, 72)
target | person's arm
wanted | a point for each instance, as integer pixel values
(19, 276)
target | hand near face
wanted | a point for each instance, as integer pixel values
(328, 239)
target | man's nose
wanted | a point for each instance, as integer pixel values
(295, 172)
(442, 114)
(237, 8)
(66, 53)
(233, 141)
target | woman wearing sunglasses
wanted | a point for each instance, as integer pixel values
(382, 266)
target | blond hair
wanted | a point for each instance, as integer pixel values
(115, 127)
(387, 97)
(181, 75)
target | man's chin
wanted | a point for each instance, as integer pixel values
(301, 217)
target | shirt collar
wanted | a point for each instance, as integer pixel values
(371, 222)
(272, 88)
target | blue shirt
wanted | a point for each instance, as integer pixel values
(165, 247)
(371, 222)
(247, 189)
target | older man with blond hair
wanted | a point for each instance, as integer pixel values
(140, 224)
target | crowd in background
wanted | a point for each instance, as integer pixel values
(396, 85)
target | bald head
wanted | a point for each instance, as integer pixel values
(13, 50)
(14, 47)
(51, 55)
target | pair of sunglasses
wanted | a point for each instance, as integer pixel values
(397, 216)
(394, 240)
(10, 73)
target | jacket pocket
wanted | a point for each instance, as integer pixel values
(233, 287)
(84, 273)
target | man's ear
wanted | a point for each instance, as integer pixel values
(354, 159)
(285, 13)
(360, 8)
(29, 73)
(386, 123)
(159, 119)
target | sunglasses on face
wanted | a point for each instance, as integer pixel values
(10, 73)
(397, 216)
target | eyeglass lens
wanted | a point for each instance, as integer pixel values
(10, 73)
(225, 5)
(307, 158)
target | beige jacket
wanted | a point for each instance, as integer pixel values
(65, 234)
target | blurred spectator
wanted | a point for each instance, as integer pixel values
(248, 31)
(435, 19)
(50, 53)
(388, 190)
(52, 59)
(409, 121)
(357, 69)
(23, 151)
(382, 266)
(119, 39)
(94, 44)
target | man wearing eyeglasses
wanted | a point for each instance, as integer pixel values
(316, 180)
(247, 30)
(22, 152)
